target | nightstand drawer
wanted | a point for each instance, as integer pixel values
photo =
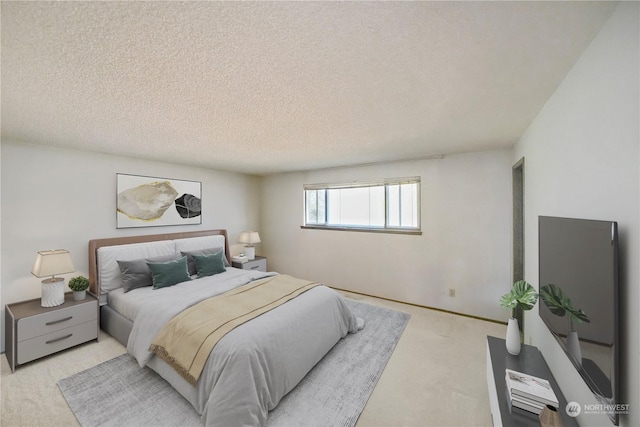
(45, 323)
(259, 263)
(256, 264)
(44, 345)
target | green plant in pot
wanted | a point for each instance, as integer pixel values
(522, 296)
(79, 286)
(560, 304)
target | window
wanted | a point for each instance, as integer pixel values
(391, 205)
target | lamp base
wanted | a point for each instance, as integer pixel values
(250, 252)
(52, 292)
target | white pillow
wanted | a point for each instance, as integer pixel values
(109, 275)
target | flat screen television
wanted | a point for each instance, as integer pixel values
(578, 286)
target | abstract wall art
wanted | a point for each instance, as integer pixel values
(145, 201)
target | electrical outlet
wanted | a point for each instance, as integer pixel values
(452, 292)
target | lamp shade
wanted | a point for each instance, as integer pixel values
(50, 263)
(249, 237)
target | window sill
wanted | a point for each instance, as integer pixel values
(365, 230)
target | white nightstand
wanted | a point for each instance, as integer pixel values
(32, 331)
(259, 264)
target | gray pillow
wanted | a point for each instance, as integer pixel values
(192, 263)
(136, 273)
(165, 274)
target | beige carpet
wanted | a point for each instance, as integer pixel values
(436, 376)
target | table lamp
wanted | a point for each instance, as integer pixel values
(249, 238)
(50, 263)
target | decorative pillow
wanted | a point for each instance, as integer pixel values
(191, 261)
(169, 273)
(209, 264)
(136, 273)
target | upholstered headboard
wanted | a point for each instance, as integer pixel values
(94, 245)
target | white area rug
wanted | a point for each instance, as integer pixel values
(334, 393)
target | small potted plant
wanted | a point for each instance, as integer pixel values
(79, 287)
(522, 296)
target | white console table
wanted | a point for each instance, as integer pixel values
(529, 361)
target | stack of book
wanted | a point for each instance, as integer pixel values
(528, 392)
(240, 258)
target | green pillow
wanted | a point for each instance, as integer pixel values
(169, 273)
(209, 264)
(192, 263)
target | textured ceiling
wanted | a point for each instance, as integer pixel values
(264, 87)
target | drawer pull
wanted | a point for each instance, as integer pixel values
(255, 266)
(59, 339)
(59, 321)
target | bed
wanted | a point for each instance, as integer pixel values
(253, 365)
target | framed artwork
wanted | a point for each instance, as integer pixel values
(146, 201)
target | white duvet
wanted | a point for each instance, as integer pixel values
(256, 364)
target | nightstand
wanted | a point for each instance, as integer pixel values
(32, 331)
(259, 264)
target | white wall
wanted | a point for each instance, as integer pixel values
(466, 240)
(582, 161)
(56, 198)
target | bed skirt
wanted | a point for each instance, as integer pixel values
(115, 324)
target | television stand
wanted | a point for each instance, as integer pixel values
(529, 361)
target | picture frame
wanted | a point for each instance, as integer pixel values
(147, 201)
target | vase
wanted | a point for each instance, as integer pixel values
(573, 346)
(79, 295)
(549, 417)
(513, 337)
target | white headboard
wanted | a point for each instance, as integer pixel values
(182, 241)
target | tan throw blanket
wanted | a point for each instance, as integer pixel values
(186, 340)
